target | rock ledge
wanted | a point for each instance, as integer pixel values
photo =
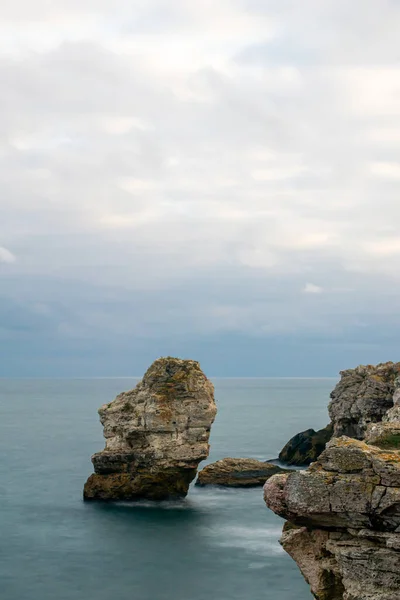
(343, 512)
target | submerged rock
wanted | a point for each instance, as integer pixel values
(156, 435)
(305, 447)
(343, 512)
(237, 472)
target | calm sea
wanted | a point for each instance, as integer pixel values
(215, 545)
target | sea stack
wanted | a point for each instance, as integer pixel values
(343, 512)
(156, 435)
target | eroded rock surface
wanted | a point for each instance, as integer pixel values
(237, 472)
(156, 434)
(362, 396)
(343, 512)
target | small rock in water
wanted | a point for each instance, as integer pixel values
(237, 472)
(156, 435)
(306, 446)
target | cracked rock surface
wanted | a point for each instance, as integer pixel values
(362, 396)
(343, 512)
(156, 435)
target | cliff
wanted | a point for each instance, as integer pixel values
(362, 396)
(156, 435)
(343, 512)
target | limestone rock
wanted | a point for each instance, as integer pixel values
(237, 472)
(345, 566)
(362, 396)
(345, 520)
(156, 434)
(343, 512)
(306, 446)
(386, 434)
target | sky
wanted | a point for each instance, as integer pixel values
(211, 180)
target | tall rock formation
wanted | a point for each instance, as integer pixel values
(156, 435)
(343, 512)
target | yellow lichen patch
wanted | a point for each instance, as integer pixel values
(165, 398)
(377, 377)
(346, 442)
(179, 376)
(390, 457)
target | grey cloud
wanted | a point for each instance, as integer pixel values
(6, 256)
(169, 173)
(334, 32)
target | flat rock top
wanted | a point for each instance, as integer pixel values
(239, 464)
(237, 472)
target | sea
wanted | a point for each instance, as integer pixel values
(217, 544)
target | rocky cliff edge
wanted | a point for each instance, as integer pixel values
(343, 512)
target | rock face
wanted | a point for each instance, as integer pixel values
(305, 447)
(386, 434)
(344, 521)
(343, 512)
(237, 472)
(362, 396)
(156, 435)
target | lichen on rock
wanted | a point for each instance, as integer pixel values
(362, 396)
(343, 512)
(156, 434)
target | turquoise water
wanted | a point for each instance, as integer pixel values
(216, 544)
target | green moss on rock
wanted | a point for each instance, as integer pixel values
(390, 440)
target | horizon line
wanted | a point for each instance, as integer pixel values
(72, 377)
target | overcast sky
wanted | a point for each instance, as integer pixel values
(216, 180)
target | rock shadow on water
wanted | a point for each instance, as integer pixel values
(147, 509)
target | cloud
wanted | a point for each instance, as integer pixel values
(6, 256)
(174, 169)
(311, 288)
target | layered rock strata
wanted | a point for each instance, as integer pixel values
(237, 472)
(156, 435)
(362, 396)
(343, 512)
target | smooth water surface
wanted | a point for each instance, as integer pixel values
(218, 544)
